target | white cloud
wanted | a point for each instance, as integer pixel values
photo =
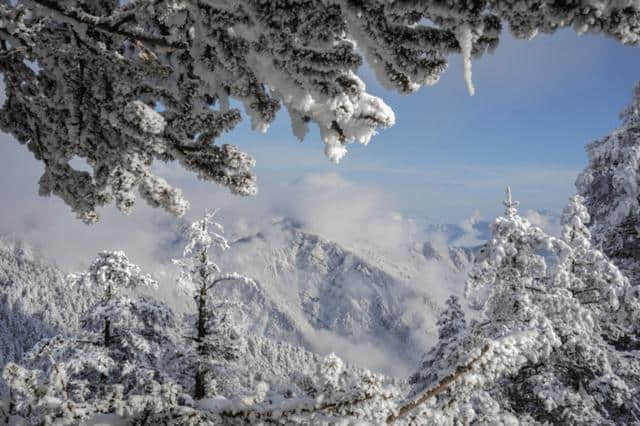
(536, 218)
(467, 224)
(548, 221)
(376, 357)
(327, 203)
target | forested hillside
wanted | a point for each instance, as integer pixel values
(36, 301)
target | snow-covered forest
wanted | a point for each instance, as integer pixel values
(503, 322)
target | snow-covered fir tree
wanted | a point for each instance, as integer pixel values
(574, 373)
(214, 329)
(585, 270)
(610, 185)
(123, 84)
(513, 270)
(451, 328)
(112, 272)
(512, 330)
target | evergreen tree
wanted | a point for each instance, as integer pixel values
(67, 380)
(589, 274)
(199, 274)
(112, 271)
(451, 329)
(596, 281)
(35, 302)
(513, 271)
(572, 374)
(610, 185)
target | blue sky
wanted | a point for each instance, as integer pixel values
(537, 104)
(449, 156)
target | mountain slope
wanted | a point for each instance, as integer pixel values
(325, 297)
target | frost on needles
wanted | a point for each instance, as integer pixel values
(122, 85)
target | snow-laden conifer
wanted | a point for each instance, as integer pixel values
(35, 302)
(198, 276)
(451, 329)
(596, 281)
(610, 185)
(112, 271)
(572, 373)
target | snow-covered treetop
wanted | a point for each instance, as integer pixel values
(511, 253)
(123, 84)
(113, 271)
(196, 267)
(204, 233)
(510, 206)
(631, 115)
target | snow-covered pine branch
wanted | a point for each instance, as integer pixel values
(122, 85)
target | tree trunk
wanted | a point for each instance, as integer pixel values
(12, 404)
(107, 322)
(107, 332)
(200, 388)
(202, 314)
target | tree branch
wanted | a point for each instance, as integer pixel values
(584, 290)
(438, 389)
(313, 406)
(100, 24)
(217, 280)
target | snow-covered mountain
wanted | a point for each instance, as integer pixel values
(353, 301)
(312, 292)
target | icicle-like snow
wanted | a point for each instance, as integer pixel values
(464, 37)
